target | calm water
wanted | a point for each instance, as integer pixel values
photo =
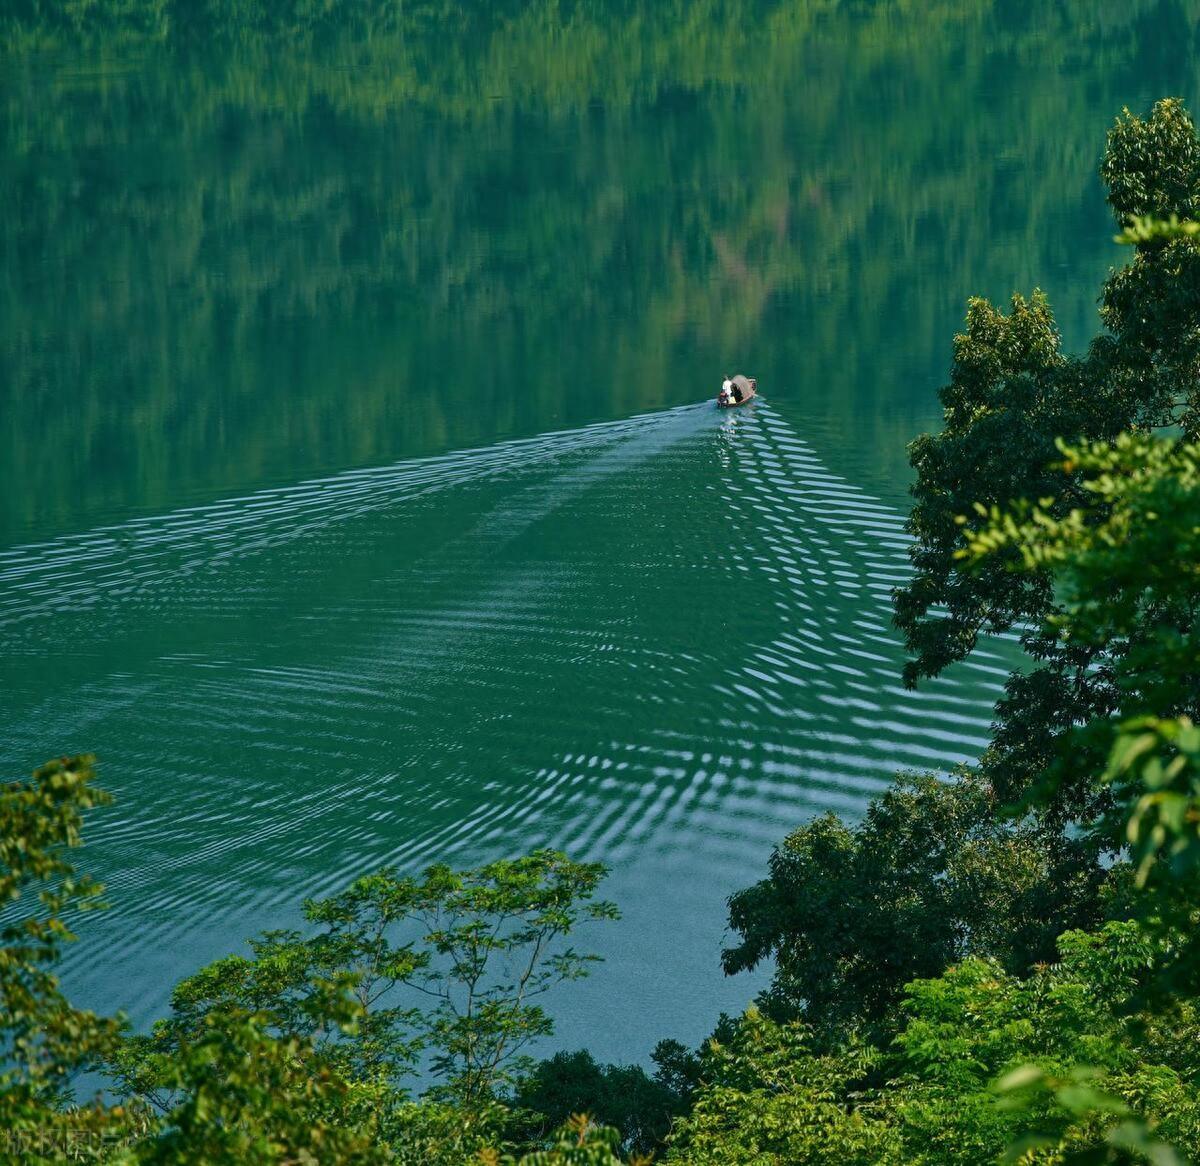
(361, 500)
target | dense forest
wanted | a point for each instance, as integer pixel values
(1004, 963)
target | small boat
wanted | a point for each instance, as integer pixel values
(737, 391)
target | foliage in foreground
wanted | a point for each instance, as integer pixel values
(1094, 1057)
(295, 1054)
(44, 1041)
(624, 1098)
(476, 949)
(929, 1097)
(1012, 396)
(1125, 569)
(258, 1079)
(852, 913)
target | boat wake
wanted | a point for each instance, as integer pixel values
(663, 642)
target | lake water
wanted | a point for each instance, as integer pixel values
(361, 496)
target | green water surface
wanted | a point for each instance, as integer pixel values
(361, 496)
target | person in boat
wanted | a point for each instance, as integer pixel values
(731, 392)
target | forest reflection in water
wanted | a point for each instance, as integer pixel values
(234, 260)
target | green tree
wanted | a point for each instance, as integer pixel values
(1123, 565)
(241, 1092)
(297, 1053)
(1156, 764)
(623, 1097)
(451, 964)
(850, 914)
(767, 1097)
(282, 983)
(432, 1132)
(1124, 568)
(773, 1095)
(252, 1096)
(1150, 306)
(44, 1040)
(1125, 571)
(578, 1142)
(1013, 394)
(494, 939)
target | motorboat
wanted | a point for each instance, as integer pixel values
(736, 391)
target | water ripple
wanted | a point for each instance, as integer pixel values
(663, 642)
